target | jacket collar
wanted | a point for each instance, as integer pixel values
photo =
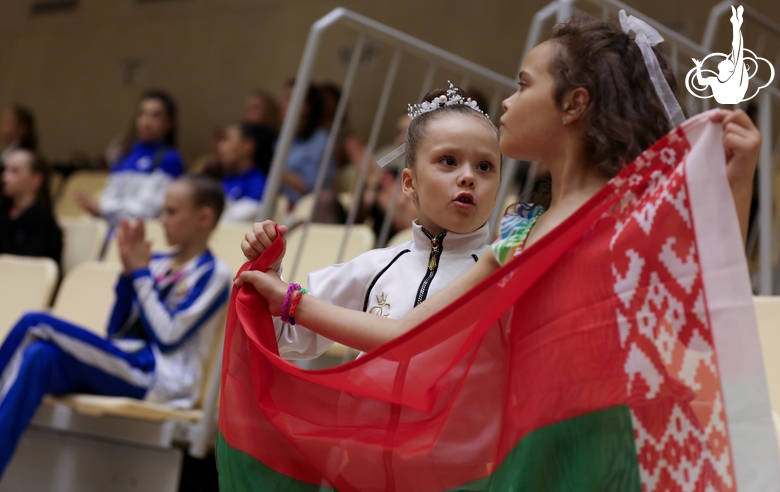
(452, 242)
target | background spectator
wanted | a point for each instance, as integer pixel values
(307, 148)
(27, 225)
(138, 180)
(260, 109)
(17, 131)
(242, 147)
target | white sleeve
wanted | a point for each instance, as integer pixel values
(241, 210)
(132, 194)
(148, 199)
(111, 199)
(342, 285)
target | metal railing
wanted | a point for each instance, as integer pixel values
(401, 45)
(680, 51)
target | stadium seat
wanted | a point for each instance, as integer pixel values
(225, 243)
(302, 209)
(83, 239)
(768, 314)
(86, 295)
(282, 208)
(26, 284)
(321, 247)
(87, 181)
(111, 441)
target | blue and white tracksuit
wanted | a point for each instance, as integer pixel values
(243, 195)
(137, 182)
(160, 334)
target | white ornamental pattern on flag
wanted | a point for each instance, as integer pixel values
(671, 372)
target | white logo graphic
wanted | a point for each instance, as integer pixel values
(730, 84)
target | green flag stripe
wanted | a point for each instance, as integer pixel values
(595, 451)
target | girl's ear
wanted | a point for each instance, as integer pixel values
(409, 183)
(205, 217)
(575, 103)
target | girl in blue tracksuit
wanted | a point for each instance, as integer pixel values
(138, 179)
(160, 331)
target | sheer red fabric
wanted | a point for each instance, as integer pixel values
(590, 317)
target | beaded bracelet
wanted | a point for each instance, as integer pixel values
(294, 305)
(286, 303)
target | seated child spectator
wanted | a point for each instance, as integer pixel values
(160, 331)
(17, 131)
(243, 182)
(138, 180)
(27, 225)
(260, 109)
(308, 146)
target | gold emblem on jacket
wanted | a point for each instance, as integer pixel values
(382, 303)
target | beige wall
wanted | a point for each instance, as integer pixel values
(210, 53)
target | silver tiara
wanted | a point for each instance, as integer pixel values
(450, 99)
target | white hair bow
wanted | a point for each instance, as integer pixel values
(646, 37)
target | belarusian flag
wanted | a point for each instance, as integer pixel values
(619, 352)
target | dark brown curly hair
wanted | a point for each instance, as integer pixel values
(625, 115)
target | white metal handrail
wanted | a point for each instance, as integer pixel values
(682, 50)
(401, 44)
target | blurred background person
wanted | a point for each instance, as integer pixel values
(17, 131)
(239, 153)
(149, 162)
(308, 145)
(27, 224)
(260, 109)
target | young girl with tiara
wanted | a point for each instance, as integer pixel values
(586, 106)
(452, 175)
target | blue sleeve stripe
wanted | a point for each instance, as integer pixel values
(195, 292)
(218, 302)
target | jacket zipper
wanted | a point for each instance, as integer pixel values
(437, 246)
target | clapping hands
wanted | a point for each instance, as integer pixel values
(134, 249)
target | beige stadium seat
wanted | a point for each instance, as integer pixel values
(98, 405)
(86, 295)
(154, 232)
(401, 236)
(345, 199)
(321, 248)
(225, 243)
(83, 239)
(87, 181)
(302, 209)
(768, 314)
(282, 207)
(26, 284)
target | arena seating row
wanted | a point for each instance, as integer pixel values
(84, 425)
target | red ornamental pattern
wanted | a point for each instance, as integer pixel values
(673, 384)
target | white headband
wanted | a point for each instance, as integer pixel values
(646, 37)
